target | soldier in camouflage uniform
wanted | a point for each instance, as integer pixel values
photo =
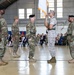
(15, 37)
(31, 35)
(70, 37)
(3, 37)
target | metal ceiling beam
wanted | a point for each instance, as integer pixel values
(6, 3)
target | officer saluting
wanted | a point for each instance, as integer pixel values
(31, 35)
(51, 26)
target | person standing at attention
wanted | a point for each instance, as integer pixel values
(31, 35)
(70, 37)
(15, 37)
(51, 26)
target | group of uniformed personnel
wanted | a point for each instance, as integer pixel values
(51, 25)
(31, 35)
(4, 35)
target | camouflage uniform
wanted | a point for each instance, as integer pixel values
(70, 38)
(51, 36)
(31, 34)
(15, 35)
(3, 36)
(37, 39)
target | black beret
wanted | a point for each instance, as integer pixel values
(1, 9)
(71, 16)
(33, 15)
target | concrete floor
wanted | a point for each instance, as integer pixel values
(21, 66)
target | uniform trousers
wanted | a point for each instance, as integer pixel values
(71, 47)
(3, 47)
(51, 42)
(15, 45)
(31, 47)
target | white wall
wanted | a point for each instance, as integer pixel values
(20, 28)
(42, 29)
(61, 29)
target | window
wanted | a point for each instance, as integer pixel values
(59, 8)
(21, 13)
(51, 5)
(51, 1)
(29, 12)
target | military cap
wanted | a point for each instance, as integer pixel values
(31, 16)
(71, 16)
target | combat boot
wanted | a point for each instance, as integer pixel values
(15, 55)
(52, 60)
(3, 63)
(32, 60)
(71, 61)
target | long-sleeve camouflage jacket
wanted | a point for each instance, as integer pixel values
(70, 32)
(3, 28)
(15, 30)
(30, 30)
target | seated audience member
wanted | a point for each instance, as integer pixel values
(57, 39)
(60, 42)
(42, 39)
(24, 41)
(65, 40)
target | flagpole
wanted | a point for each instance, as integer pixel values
(34, 9)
